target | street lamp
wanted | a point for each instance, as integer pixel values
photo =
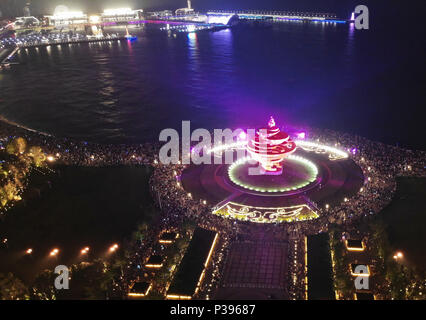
(398, 255)
(113, 248)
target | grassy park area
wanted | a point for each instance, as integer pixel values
(73, 208)
(320, 277)
(405, 219)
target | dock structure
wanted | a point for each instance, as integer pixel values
(280, 15)
(13, 48)
(9, 55)
(69, 41)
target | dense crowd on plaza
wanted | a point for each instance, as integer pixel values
(81, 153)
(380, 164)
(296, 269)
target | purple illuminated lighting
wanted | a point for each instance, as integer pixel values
(242, 135)
(301, 135)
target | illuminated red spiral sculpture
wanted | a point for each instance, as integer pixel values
(270, 146)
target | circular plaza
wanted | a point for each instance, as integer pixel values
(287, 181)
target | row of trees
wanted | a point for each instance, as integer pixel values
(88, 280)
(392, 278)
(343, 283)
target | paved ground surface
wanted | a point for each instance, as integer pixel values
(337, 179)
(255, 270)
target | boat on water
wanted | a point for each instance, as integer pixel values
(128, 36)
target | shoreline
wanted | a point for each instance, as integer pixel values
(15, 124)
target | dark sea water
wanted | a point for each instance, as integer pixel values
(367, 82)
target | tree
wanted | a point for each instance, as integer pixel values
(42, 288)
(88, 281)
(3, 172)
(16, 146)
(11, 288)
(36, 153)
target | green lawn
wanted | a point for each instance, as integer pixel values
(93, 207)
(192, 264)
(405, 220)
(320, 277)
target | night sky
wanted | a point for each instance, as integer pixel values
(343, 8)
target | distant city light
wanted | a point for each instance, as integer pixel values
(117, 11)
(219, 19)
(54, 252)
(94, 19)
(69, 15)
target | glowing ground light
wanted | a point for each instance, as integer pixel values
(301, 135)
(333, 153)
(312, 170)
(223, 147)
(265, 214)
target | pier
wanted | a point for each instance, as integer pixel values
(9, 54)
(11, 47)
(84, 39)
(280, 15)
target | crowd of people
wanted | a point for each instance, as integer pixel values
(380, 164)
(296, 269)
(81, 153)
